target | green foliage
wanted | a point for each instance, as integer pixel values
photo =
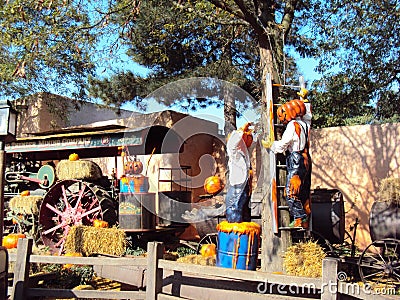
(69, 278)
(358, 45)
(185, 251)
(134, 251)
(44, 46)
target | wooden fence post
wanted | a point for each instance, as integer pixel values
(329, 288)
(154, 275)
(3, 273)
(21, 269)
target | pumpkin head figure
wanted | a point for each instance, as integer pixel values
(299, 107)
(133, 167)
(286, 112)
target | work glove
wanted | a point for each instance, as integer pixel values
(268, 143)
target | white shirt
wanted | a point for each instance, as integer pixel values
(291, 140)
(239, 159)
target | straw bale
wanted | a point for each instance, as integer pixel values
(79, 169)
(90, 240)
(304, 259)
(198, 260)
(25, 204)
(389, 190)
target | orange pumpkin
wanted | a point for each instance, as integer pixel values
(25, 193)
(73, 254)
(10, 241)
(208, 250)
(73, 157)
(213, 185)
(133, 167)
(100, 223)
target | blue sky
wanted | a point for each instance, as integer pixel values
(306, 68)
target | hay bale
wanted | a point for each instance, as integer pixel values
(90, 240)
(25, 204)
(304, 259)
(389, 190)
(198, 260)
(79, 169)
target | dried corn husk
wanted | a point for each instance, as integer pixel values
(304, 259)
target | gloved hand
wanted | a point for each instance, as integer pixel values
(303, 93)
(268, 143)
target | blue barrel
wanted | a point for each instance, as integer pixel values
(238, 250)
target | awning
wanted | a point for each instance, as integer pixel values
(101, 143)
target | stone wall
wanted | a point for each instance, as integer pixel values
(354, 159)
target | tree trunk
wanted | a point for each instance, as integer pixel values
(229, 110)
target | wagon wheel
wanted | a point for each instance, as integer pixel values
(379, 263)
(69, 203)
(210, 238)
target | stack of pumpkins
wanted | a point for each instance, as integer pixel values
(133, 181)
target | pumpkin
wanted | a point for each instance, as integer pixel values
(133, 167)
(25, 193)
(208, 250)
(213, 185)
(10, 241)
(71, 254)
(100, 223)
(73, 157)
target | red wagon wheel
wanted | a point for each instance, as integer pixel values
(69, 203)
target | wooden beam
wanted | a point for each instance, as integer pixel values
(154, 276)
(21, 269)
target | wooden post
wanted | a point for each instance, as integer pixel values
(21, 269)
(274, 242)
(329, 288)
(3, 273)
(154, 275)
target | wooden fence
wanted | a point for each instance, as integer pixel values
(170, 280)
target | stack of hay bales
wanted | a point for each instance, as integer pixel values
(78, 169)
(90, 240)
(389, 190)
(304, 259)
(29, 205)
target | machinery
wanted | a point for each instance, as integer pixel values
(57, 201)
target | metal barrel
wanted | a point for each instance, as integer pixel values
(384, 220)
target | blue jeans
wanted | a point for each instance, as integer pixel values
(295, 166)
(237, 203)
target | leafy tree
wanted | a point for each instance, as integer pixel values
(216, 39)
(359, 46)
(44, 46)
